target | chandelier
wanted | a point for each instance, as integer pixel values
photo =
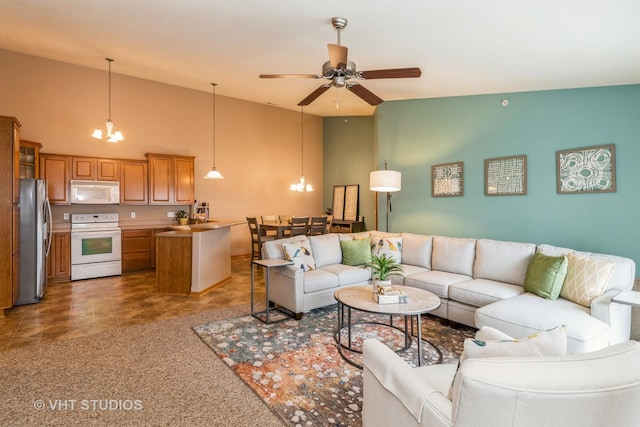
(109, 132)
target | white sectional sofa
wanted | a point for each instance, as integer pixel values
(480, 283)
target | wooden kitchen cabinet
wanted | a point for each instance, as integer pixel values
(56, 169)
(136, 250)
(9, 211)
(171, 179)
(59, 259)
(134, 179)
(91, 169)
(30, 159)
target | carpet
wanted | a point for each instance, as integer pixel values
(296, 369)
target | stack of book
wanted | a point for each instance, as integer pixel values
(389, 294)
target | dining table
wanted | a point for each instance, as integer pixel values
(280, 227)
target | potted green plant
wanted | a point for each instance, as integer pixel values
(382, 267)
(182, 216)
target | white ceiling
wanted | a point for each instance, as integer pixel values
(463, 47)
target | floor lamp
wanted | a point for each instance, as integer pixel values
(385, 181)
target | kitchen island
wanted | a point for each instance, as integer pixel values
(194, 259)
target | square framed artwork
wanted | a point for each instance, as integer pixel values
(586, 170)
(447, 180)
(505, 176)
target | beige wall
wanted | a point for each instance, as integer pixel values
(257, 146)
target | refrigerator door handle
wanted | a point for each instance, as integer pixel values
(49, 225)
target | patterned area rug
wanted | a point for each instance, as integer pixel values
(295, 366)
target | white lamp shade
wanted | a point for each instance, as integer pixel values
(385, 181)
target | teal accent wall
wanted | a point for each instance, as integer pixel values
(349, 158)
(414, 135)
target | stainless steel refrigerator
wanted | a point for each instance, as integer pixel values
(35, 240)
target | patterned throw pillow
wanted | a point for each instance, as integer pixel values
(300, 254)
(390, 246)
(586, 279)
(548, 343)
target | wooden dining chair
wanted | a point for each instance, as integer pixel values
(269, 219)
(299, 225)
(258, 236)
(318, 225)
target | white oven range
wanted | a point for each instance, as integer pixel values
(95, 246)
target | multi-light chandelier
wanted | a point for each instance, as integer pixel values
(109, 132)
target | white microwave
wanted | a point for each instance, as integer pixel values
(95, 192)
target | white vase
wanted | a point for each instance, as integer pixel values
(377, 282)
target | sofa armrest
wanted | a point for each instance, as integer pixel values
(291, 271)
(618, 316)
(426, 402)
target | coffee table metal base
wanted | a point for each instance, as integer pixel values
(409, 333)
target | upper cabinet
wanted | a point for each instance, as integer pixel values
(56, 169)
(30, 159)
(88, 168)
(171, 179)
(134, 180)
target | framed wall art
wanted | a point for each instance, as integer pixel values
(351, 202)
(505, 176)
(338, 201)
(586, 170)
(447, 180)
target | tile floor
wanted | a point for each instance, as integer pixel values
(75, 309)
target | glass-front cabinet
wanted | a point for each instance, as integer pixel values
(29, 159)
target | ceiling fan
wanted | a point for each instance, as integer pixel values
(339, 70)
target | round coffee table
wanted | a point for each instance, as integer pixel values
(360, 298)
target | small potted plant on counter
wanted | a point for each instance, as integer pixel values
(183, 217)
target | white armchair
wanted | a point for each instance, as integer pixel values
(601, 388)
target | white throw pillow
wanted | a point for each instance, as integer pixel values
(586, 279)
(548, 343)
(300, 254)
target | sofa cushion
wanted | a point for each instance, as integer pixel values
(502, 261)
(527, 313)
(416, 249)
(353, 236)
(391, 246)
(356, 252)
(453, 255)
(326, 249)
(546, 343)
(545, 275)
(437, 282)
(300, 254)
(480, 292)
(348, 275)
(318, 280)
(586, 279)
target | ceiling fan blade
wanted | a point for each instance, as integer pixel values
(312, 97)
(365, 94)
(290, 76)
(394, 73)
(337, 55)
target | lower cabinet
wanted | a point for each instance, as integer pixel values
(59, 260)
(139, 249)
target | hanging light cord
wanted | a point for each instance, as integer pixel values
(110, 61)
(214, 123)
(302, 139)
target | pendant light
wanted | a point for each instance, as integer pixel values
(213, 173)
(109, 132)
(302, 185)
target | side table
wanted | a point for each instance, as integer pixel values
(631, 298)
(268, 264)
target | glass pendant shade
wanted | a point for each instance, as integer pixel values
(302, 185)
(213, 173)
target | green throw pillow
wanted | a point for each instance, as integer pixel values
(356, 252)
(545, 275)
